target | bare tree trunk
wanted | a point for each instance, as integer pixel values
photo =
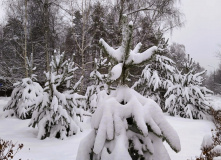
(46, 23)
(121, 11)
(25, 48)
(82, 47)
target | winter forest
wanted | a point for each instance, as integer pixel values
(99, 80)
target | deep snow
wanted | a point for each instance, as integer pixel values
(191, 133)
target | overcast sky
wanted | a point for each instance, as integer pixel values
(2, 11)
(201, 34)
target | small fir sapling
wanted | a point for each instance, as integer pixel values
(155, 79)
(127, 125)
(187, 97)
(58, 110)
(24, 96)
(100, 83)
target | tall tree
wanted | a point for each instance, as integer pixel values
(180, 57)
(178, 54)
(26, 36)
(187, 97)
(18, 11)
(97, 28)
(161, 14)
(42, 23)
(127, 125)
(13, 48)
(81, 41)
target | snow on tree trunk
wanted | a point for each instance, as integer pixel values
(23, 99)
(127, 125)
(57, 111)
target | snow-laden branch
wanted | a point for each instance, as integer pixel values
(116, 54)
(137, 58)
(116, 71)
(137, 47)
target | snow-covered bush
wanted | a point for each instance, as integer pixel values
(127, 125)
(187, 97)
(57, 111)
(99, 83)
(156, 78)
(24, 96)
(23, 99)
(211, 145)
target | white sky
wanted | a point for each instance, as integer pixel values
(2, 11)
(201, 34)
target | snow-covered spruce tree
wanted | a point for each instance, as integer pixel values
(187, 97)
(24, 96)
(56, 112)
(155, 79)
(127, 125)
(100, 83)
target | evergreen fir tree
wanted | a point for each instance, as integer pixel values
(146, 33)
(178, 55)
(187, 97)
(127, 125)
(113, 31)
(23, 99)
(74, 37)
(97, 27)
(24, 95)
(155, 79)
(57, 110)
(100, 83)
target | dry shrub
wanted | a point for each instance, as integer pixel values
(211, 145)
(8, 149)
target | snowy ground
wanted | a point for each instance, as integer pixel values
(191, 133)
